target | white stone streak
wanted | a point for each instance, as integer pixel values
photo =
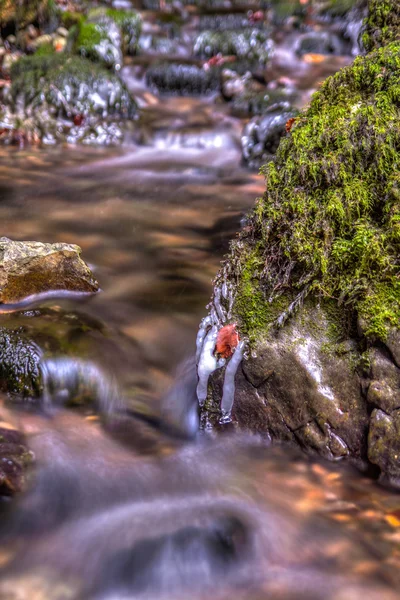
(306, 353)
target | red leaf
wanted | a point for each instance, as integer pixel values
(289, 124)
(227, 340)
(78, 120)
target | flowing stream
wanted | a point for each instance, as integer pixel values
(138, 504)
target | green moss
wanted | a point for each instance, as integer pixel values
(128, 21)
(383, 23)
(45, 50)
(256, 313)
(329, 222)
(69, 18)
(88, 38)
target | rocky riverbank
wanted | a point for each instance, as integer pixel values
(312, 279)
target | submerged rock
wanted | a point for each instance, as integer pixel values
(58, 98)
(20, 357)
(312, 281)
(318, 42)
(28, 268)
(43, 364)
(15, 458)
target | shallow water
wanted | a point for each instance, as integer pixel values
(119, 506)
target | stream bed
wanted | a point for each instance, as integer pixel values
(143, 506)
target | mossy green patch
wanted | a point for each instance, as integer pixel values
(69, 18)
(128, 21)
(45, 50)
(383, 23)
(329, 222)
(88, 38)
(256, 312)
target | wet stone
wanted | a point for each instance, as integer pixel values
(384, 444)
(253, 45)
(318, 43)
(183, 79)
(249, 97)
(29, 268)
(14, 460)
(262, 135)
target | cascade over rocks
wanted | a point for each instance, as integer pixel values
(313, 277)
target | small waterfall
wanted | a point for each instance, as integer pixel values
(75, 382)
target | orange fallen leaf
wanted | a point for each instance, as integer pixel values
(314, 59)
(392, 520)
(290, 123)
(227, 340)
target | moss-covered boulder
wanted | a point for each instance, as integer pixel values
(100, 40)
(130, 25)
(105, 35)
(383, 23)
(313, 279)
(250, 45)
(61, 98)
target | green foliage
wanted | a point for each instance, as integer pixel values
(45, 50)
(383, 23)
(329, 222)
(88, 38)
(69, 19)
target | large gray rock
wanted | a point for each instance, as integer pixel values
(330, 396)
(301, 386)
(28, 268)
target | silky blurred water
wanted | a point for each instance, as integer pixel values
(118, 506)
